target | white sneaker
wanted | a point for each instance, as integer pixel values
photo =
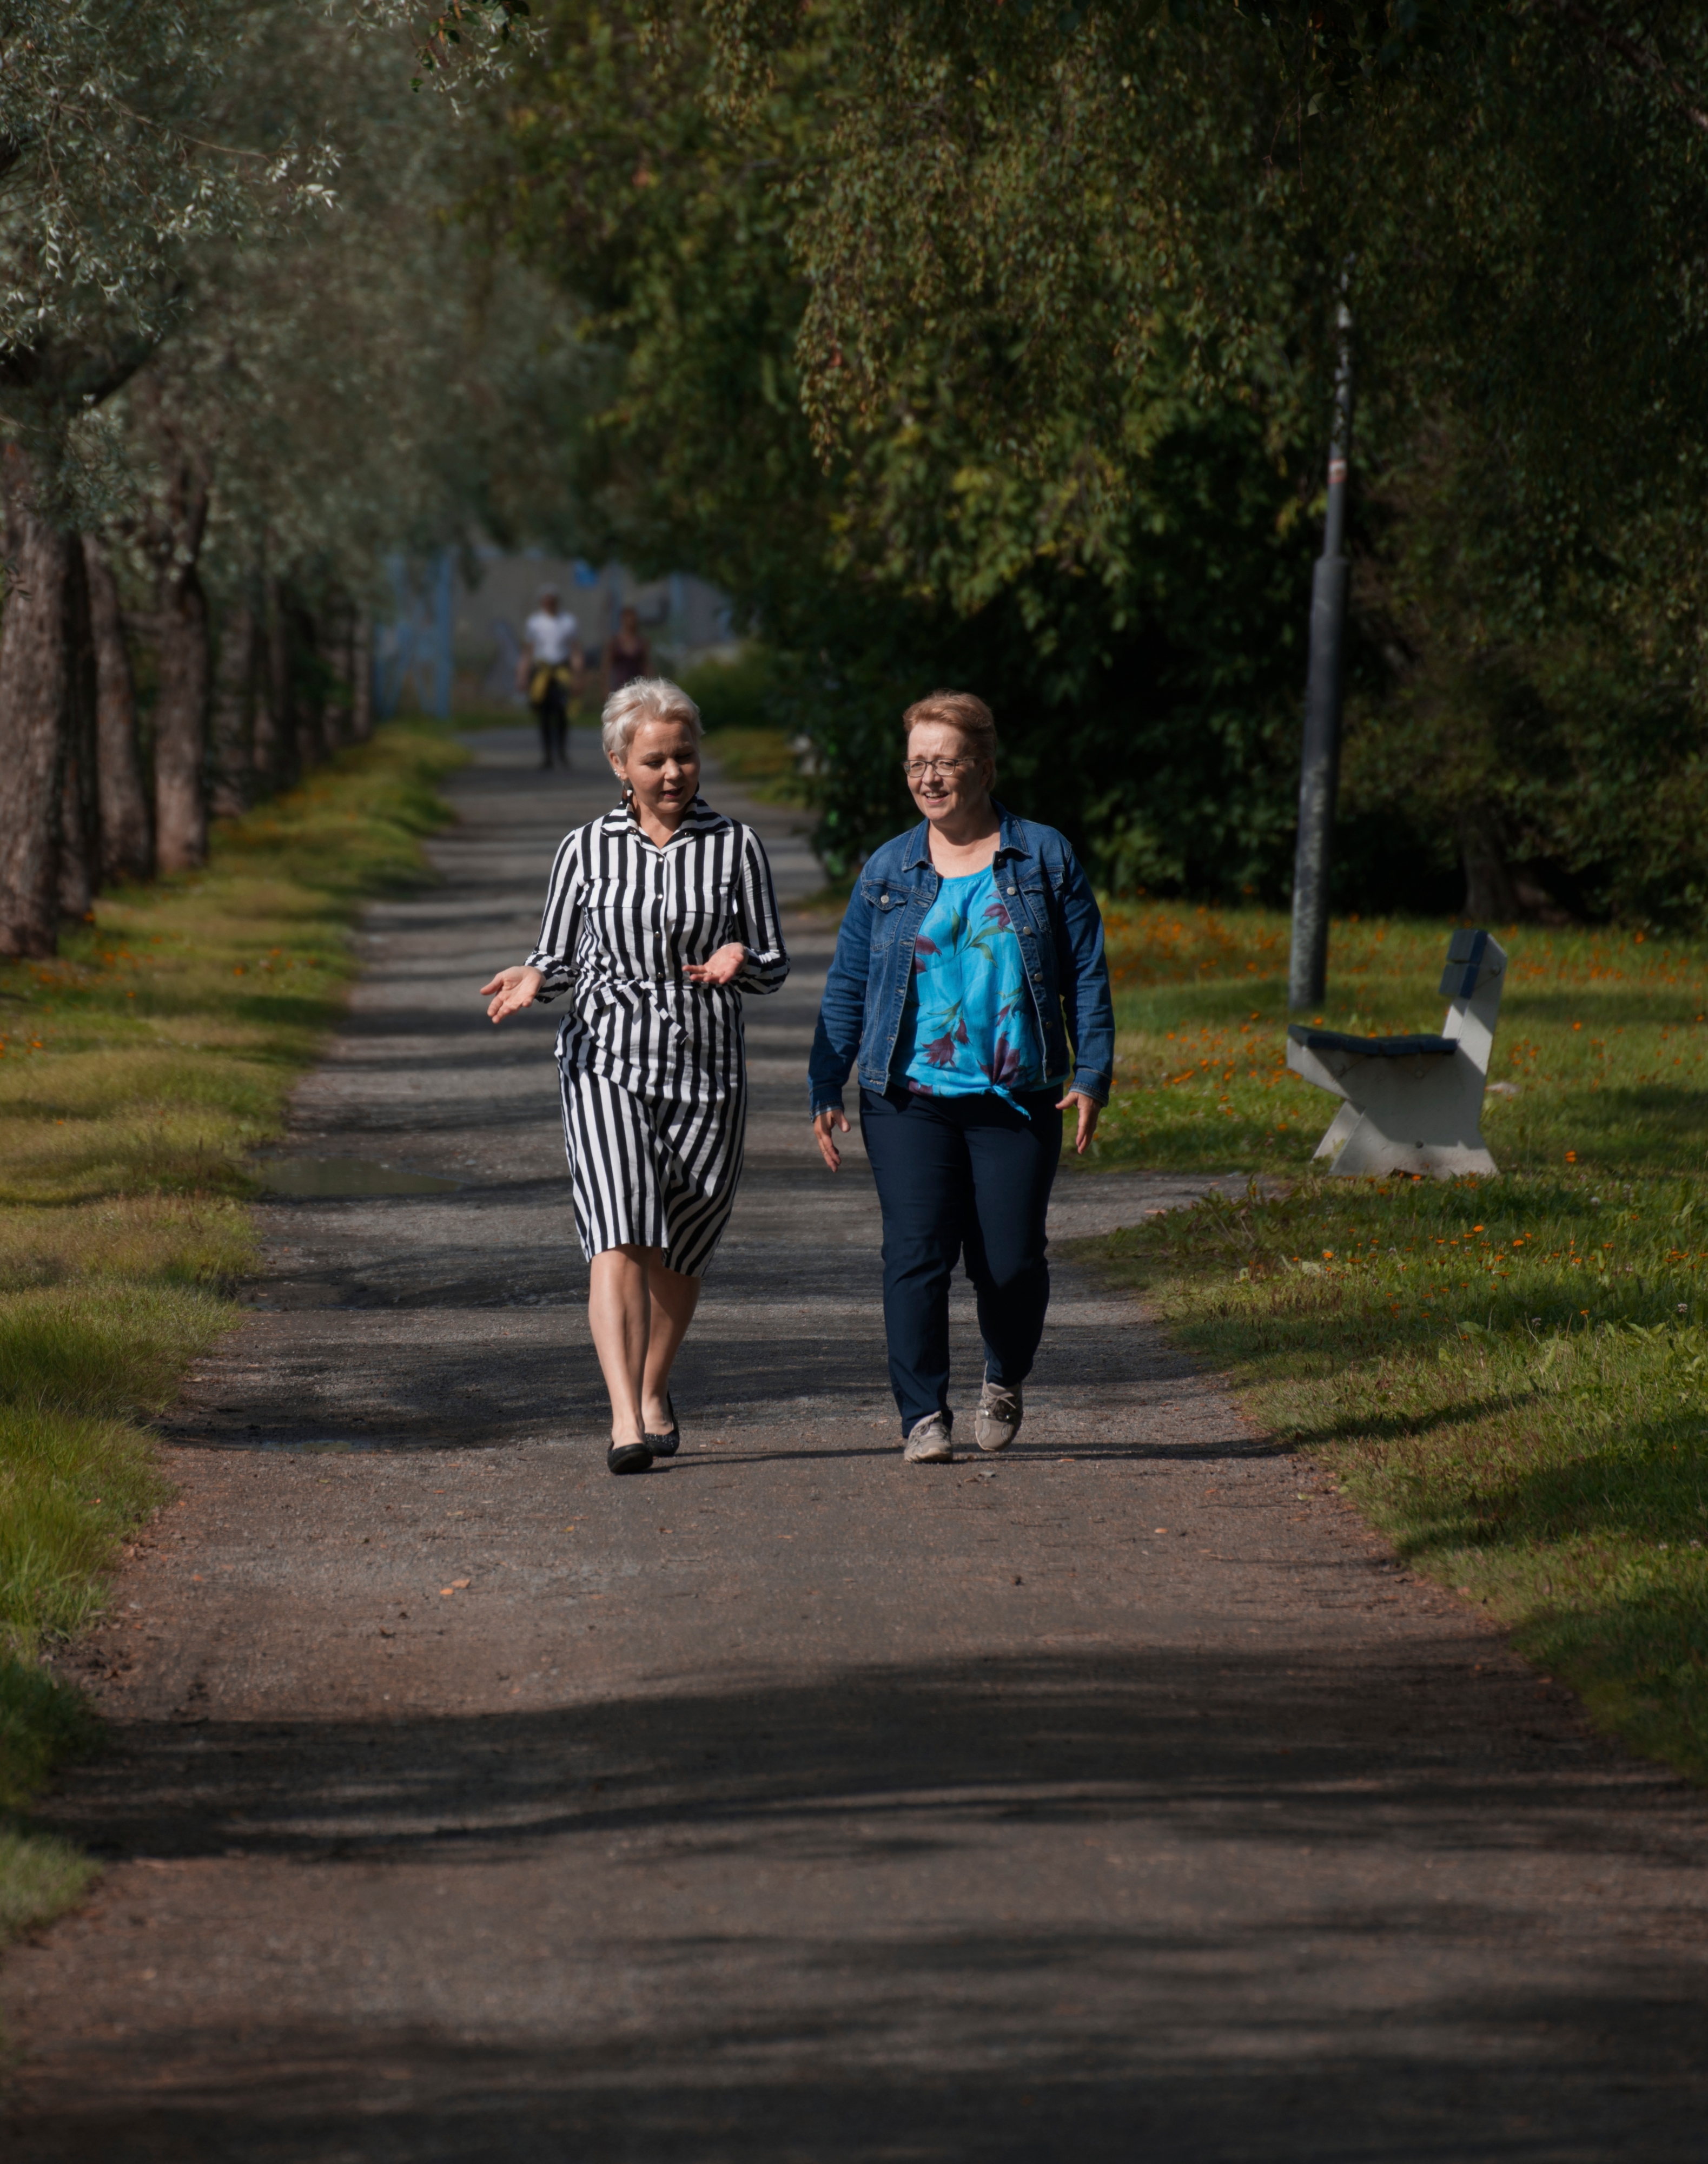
(928, 1442)
(1000, 1415)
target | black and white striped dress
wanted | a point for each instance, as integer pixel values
(654, 1078)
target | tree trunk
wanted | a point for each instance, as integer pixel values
(276, 722)
(173, 534)
(361, 678)
(34, 693)
(181, 724)
(80, 806)
(127, 834)
(1489, 898)
(233, 704)
(303, 660)
(338, 723)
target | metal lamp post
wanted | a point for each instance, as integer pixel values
(1307, 968)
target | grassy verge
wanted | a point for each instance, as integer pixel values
(764, 762)
(1510, 1376)
(137, 1072)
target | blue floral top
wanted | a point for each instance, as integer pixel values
(968, 1026)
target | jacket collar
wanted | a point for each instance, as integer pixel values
(1010, 842)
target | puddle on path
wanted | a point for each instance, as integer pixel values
(347, 1176)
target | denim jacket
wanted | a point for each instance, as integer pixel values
(1051, 908)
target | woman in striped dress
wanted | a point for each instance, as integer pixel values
(659, 916)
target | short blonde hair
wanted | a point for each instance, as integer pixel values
(956, 710)
(647, 699)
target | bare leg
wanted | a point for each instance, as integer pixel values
(673, 1300)
(618, 1313)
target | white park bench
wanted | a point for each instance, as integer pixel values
(1413, 1104)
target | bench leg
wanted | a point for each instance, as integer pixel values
(1339, 1132)
(1369, 1154)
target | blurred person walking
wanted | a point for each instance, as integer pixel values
(659, 918)
(969, 983)
(628, 655)
(552, 670)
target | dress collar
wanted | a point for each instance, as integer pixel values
(700, 818)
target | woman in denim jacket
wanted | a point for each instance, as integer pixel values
(970, 983)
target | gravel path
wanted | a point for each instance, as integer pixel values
(1117, 1799)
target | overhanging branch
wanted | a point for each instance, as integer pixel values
(1635, 55)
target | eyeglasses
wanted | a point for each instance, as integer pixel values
(917, 768)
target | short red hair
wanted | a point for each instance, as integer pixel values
(956, 710)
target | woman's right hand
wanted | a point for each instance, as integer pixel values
(822, 1124)
(515, 990)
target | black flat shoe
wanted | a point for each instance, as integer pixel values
(628, 1457)
(665, 1445)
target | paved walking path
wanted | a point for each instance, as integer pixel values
(1117, 1799)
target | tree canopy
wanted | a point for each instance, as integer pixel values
(245, 349)
(999, 339)
(986, 343)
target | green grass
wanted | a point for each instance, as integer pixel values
(1510, 1377)
(40, 1877)
(138, 1073)
(734, 692)
(764, 762)
(1601, 1040)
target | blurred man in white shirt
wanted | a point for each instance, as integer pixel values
(551, 671)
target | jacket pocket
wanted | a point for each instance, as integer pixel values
(1033, 911)
(886, 904)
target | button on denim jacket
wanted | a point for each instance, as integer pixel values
(1054, 914)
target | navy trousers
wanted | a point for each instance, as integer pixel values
(960, 1176)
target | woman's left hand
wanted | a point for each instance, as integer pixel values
(722, 969)
(1090, 1111)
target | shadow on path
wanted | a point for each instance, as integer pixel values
(1204, 2002)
